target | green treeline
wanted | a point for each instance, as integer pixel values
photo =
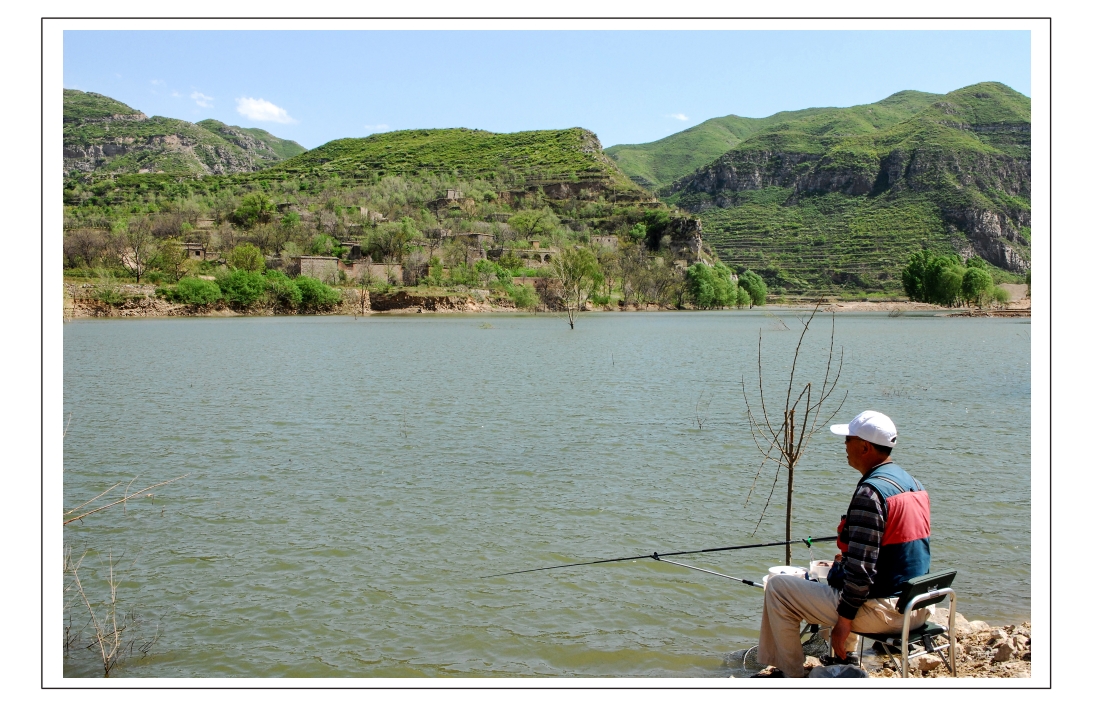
(947, 281)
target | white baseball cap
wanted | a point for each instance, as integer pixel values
(872, 426)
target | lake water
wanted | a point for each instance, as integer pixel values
(351, 480)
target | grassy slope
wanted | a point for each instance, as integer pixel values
(80, 106)
(540, 155)
(283, 149)
(662, 162)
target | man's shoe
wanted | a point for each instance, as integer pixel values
(769, 672)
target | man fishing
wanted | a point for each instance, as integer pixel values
(884, 540)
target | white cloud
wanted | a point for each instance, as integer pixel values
(261, 110)
(678, 116)
(204, 101)
(176, 94)
(158, 82)
(377, 128)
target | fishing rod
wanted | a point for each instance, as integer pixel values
(808, 541)
(753, 583)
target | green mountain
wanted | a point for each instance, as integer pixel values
(658, 164)
(103, 136)
(829, 202)
(536, 157)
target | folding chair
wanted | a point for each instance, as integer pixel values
(916, 593)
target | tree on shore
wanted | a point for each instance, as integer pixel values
(754, 284)
(137, 246)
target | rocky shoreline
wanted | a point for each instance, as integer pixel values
(983, 651)
(140, 301)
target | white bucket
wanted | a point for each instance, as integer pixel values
(786, 570)
(818, 570)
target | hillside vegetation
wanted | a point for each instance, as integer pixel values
(103, 136)
(443, 210)
(840, 200)
(658, 164)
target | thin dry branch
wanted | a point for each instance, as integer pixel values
(125, 498)
(787, 443)
(92, 499)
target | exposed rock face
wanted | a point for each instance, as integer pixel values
(97, 141)
(687, 237)
(993, 232)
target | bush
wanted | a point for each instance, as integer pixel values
(525, 297)
(999, 295)
(315, 295)
(743, 299)
(283, 292)
(191, 290)
(108, 293)
(242, 288)
(248, 258)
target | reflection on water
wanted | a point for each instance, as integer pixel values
(350, 480)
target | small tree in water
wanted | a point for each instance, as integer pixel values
(783, 440)
(580, 275)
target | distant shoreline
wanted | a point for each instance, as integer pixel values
(140, 301)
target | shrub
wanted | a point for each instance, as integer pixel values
(999, 295)
(191, 290)
(108, 293)
(242, 288)
(283, 292)
(743, 299)
(315, 295)
(525, 297)
(248, 258)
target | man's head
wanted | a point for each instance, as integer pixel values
(868, 439)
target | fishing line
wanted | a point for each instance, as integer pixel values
(808, 541)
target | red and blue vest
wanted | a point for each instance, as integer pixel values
(906, 542)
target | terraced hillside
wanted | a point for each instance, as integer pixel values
(103, 136)
(657, 164)
(817, 210)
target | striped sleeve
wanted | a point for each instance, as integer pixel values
(865, 525)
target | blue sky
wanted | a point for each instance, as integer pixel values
(626, 86)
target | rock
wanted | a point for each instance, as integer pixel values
(1028, 656)
(1005, 652)
(977, 626)
(1021, 641)
(929, 662)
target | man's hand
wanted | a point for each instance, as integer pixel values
(840, 632)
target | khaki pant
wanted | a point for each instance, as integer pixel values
(788, 601)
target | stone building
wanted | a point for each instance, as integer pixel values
(194, 250)
(325, 269)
